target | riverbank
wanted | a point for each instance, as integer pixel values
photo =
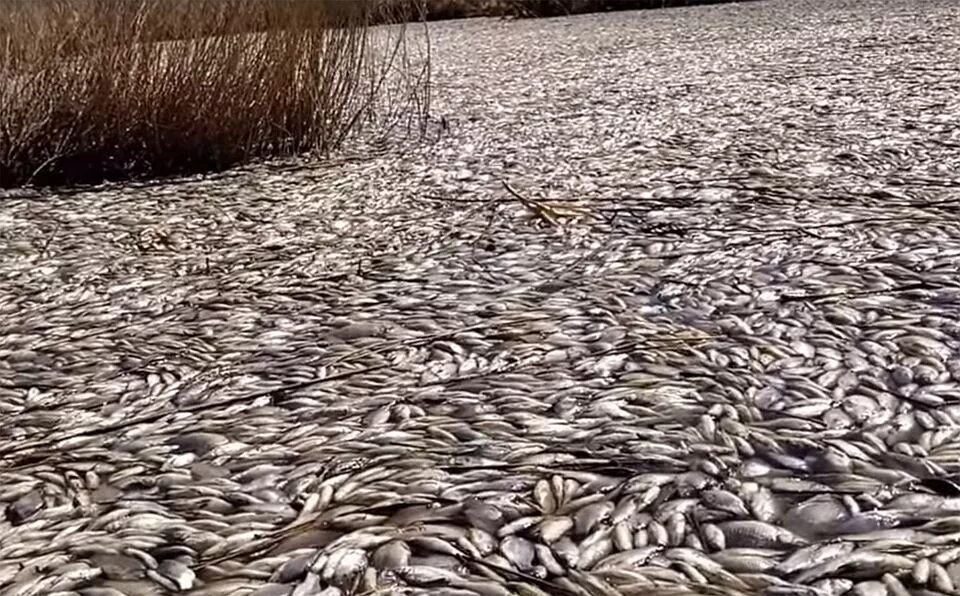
(455, 9)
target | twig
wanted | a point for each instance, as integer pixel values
(865, 293)
(46, 244)
(517, 575)
(542, 211)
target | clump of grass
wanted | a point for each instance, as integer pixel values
(112, 89)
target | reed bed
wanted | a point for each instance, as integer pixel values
(113, 89)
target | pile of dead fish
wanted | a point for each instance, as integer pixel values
(704, 340)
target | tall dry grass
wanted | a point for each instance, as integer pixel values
(107, 89)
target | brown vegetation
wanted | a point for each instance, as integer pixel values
(101, 89)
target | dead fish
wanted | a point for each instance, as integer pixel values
(588, 517)
(861, 564)
(746, 560)
(391, 555)
(24, 508)
(757, 534)
(552, 529)
(813, 555)
(725, 501)
(817, 516)
(518, 551)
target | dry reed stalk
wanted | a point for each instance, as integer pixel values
(107, 89)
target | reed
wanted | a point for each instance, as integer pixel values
(114, 89)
